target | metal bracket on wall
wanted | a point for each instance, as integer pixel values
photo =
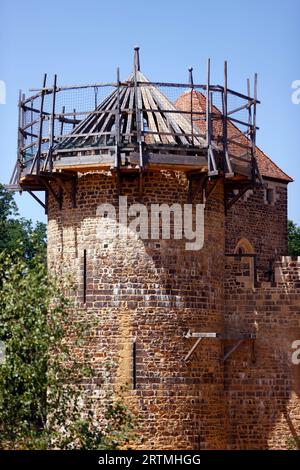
(199, 337)
(245, 337)
(240, 339)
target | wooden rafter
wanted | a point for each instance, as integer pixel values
(121, 131)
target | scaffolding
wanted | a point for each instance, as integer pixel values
(134, 126)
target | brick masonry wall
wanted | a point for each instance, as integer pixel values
(252, 217)
(287, 271)
(154, 291)
(151, 292)
(262, 385)
(262, 223)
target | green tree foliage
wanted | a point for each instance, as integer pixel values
(293, 239)
(8, 206)
(41, 381)
(19, 234)
(40, 391)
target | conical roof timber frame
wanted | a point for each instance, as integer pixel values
(135, 128)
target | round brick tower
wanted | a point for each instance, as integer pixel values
(147, 301)
(146, 295)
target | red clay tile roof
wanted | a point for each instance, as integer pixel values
(269, 169)
(266, 166)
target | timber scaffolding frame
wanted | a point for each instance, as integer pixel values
(135, 128)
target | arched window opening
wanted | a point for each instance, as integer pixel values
(244, 246)
(245, 250)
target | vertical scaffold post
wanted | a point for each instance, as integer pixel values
(31, 120)
(254, 131)
(249, 106)
(249, 135)
(41, 120)
(23, 122)
(208, 127)
(225, 142)
(52, 124)
(137, 107)
(15, 177)
(228, 169)
(20, 136)
(212, 168)
(117, 156)
(63, 110)
(191, 83)
(96, 96)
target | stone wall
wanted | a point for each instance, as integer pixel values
(151, 292)
(261, 382)
(262, 222)
(287, 271)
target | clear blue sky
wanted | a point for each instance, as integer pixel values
(85, 42)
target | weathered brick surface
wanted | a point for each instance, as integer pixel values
(287, 271)
(153, 291)
(262, 223)
(262, 384)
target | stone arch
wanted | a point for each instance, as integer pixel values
(243, 246)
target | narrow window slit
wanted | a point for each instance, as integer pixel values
(84, 276)
(134, 364)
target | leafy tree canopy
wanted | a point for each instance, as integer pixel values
(19, 234)
(41, 381)
(293, 239)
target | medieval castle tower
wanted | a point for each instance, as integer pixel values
(199, 340)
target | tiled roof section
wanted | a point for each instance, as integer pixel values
(266, 166)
